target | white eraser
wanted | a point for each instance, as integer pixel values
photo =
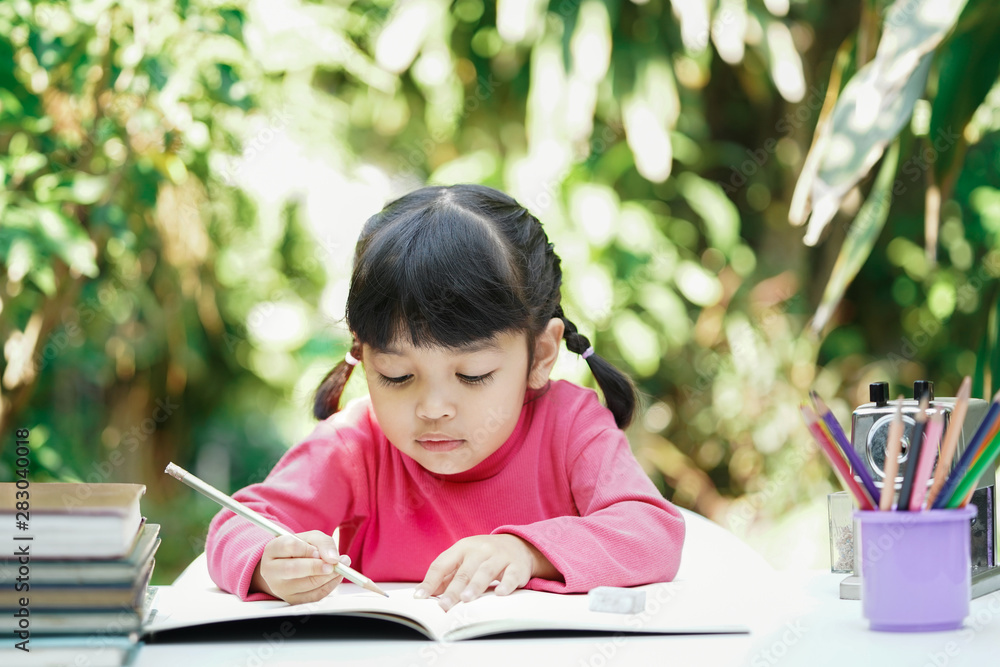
(617, 600)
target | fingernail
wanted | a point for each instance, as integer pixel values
(501, 590)
(330, 553)
(315, 553)
(327, 568)
(345, 559)
(445, 602)
(420, 593)
(467, 595)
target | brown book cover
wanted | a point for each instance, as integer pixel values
(88, 572)
(73, 597)
(68, 520)
(73, 498)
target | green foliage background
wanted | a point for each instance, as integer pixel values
(183, 183)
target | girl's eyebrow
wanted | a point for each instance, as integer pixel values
(465, 348)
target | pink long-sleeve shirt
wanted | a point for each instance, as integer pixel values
(565, 481)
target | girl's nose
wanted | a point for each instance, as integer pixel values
(434, 405)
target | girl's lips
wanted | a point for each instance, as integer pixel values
(440, 445)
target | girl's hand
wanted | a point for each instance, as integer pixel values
(466, 570)
(298, 572)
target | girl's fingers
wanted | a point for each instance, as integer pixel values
(308, 594)
(324, 543)
(439, 574)
(487, 572)
(300, 568)
(513, 578)
(461, 582)
(287, 546)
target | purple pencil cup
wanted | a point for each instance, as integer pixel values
(915, 569)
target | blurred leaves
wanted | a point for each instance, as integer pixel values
(961, 67)
(860, 239)
(969, 68)
(876, 102)
(184, 184)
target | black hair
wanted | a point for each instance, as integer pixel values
(448, 265)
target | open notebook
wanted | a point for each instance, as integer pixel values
(672, 608)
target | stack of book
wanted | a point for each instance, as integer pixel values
(74, 567)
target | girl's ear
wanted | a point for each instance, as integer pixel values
(546, 352)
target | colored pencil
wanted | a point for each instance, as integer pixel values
(835, 458)
(932, 437)
(891, 466)
(964, 489)
(840, 438)
(913, 456)
(951, 439)
(986, 439)
(965, 460)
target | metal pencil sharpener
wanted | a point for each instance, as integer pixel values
(869, 438)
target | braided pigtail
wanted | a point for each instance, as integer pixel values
(619, 392)
(327, 400)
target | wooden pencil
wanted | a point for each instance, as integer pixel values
(913, 456)
(209, 491)
(891, 466)
(928, 452)
(950, 439)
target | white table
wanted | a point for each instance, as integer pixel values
(800, 620)
(797, 618)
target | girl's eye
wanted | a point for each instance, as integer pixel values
(403, 379)
(391, 382)
(476, 379)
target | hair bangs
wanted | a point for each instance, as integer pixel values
(440, 276)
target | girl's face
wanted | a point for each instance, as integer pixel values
(450, 408)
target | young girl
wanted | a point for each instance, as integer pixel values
(465, 467)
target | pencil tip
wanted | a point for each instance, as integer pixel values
(964, 391)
